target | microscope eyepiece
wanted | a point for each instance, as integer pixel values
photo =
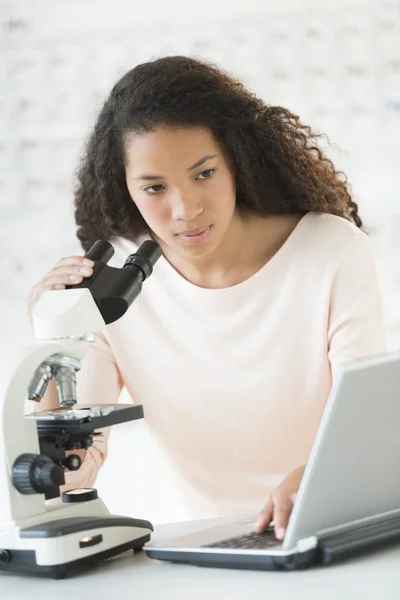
(101, 250)
(114, 289)
(145, 258)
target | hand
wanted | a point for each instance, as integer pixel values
(280, 503)
(68, 271)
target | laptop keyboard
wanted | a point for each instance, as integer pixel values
(249, 541)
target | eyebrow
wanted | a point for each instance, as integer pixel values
(196, 164)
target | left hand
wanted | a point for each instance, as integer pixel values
(280, 503)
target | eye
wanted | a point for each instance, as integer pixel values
(151, 189)
(209, 173)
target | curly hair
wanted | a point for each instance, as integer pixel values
(277, 164)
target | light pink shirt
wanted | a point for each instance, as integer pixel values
(234, 381)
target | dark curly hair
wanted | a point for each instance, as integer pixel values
(277, 164)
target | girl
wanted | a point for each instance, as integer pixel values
(266, 285)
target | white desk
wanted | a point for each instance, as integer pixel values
(136, 577)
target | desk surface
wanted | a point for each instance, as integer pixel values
(136, 576)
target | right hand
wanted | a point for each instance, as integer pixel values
(68, 271)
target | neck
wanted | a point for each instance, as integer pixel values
(248, 244)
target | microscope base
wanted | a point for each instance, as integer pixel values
(66, 546)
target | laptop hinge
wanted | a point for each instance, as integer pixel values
(357, 523)
(306, 544)
(337, 545)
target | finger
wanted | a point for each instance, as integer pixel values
(51, 281)
(71, 270)
(75, 260)
(68, 275)
(282, 509)
(265, 516)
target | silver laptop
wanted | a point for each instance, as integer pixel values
(349, 497)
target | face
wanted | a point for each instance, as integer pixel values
(181, 183)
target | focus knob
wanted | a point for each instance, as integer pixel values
(35, 473)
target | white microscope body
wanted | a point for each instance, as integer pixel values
(41, 531)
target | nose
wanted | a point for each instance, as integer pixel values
(185, 207)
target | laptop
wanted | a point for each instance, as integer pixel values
(349, 498)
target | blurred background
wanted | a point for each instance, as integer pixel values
(336, 63)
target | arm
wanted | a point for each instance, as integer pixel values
(98, 382)
(357, 327)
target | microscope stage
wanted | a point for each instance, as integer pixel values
(85, 419)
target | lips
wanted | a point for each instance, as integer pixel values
(193, 232)
(193, 237)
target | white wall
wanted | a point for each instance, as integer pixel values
(334, 63)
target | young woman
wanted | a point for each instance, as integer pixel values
(266, 285)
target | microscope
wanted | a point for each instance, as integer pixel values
(42, 530)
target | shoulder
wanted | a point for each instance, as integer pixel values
(331, 234)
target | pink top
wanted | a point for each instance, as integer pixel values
(233, 381)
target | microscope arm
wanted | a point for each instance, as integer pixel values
(17, 430)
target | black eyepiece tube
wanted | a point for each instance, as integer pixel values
(101, 250)
(150, 251)
(145, 257)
